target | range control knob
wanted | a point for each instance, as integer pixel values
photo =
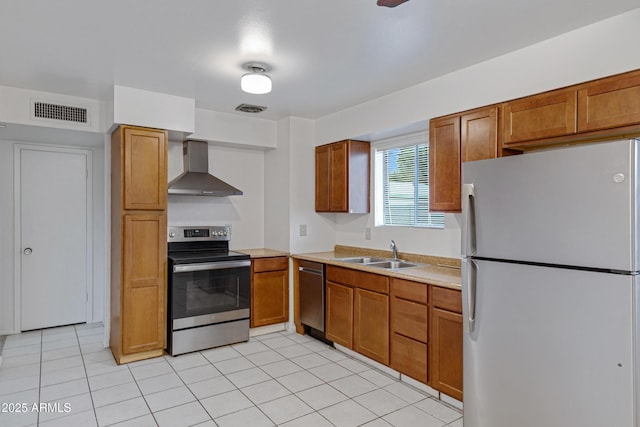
(172, 234)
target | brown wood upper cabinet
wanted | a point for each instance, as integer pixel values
(269, 291)
(547, 115)
(342, 177)
(138, 243)
(609, 103)
(144, 168)
(463, 137)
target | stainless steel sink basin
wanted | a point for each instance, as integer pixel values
(378, 262)
(361, 260)
(392, 264)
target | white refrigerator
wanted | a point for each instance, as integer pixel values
(550, 288)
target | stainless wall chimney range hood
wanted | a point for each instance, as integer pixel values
(196, 180)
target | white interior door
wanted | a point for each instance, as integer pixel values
(53, 237)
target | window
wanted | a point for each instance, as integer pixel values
(402, 183)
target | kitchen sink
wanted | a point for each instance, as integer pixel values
(362, 259)
(392, 264)
(378, 262)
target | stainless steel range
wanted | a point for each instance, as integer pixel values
(209, 290)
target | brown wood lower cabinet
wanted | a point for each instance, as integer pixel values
(371, 325)
(409, 328)
(415, 328)
(445, 355)
(357, 311)
(339, 314)
(269, 291)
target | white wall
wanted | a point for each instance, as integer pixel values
(244, 169)
(277, 194)
(7, 255)
(598, 50)
(321, 227)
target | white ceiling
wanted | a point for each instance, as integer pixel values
(326, 55)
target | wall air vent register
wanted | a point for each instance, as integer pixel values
(66, 113)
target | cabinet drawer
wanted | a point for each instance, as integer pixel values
(412, 291)
(409, 357)
(447, 299)
(359, 279)
(409, 319)
(270, 264)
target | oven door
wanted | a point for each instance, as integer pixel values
(207, 293)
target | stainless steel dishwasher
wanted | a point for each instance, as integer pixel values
(312, 297)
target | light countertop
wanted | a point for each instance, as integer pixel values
(262, 252)
(434, 274)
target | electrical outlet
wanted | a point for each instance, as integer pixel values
(367, 233)
(303, 229)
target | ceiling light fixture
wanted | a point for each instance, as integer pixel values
(256, 81)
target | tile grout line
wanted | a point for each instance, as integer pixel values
(188, 389)
(143, 398)
(84, 365)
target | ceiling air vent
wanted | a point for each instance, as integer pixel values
(248, 108)
(67, 113)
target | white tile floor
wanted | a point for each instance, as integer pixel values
(276, 379)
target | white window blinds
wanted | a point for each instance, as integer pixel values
(404, 178)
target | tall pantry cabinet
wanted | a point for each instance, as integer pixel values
(138, 243)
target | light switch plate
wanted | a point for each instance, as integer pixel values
(367, 233)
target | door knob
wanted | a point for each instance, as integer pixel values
(27, 251)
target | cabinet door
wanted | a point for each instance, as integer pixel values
(339, 177)
(322, 178)
(145, 169)
(445, 368)
(609, 103)
(371, 325)
(339, 314)
(479, 134)
(444, 164)
(144, 261)
(270, 298)
(409, 357)
(542, 116)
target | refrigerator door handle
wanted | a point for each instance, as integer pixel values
(468, 221)
(471, 280)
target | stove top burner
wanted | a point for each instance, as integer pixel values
(189, 245)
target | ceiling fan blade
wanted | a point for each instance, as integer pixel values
(390, 3)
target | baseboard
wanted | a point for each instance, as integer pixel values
(262, 330)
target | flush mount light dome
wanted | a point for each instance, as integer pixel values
(256, 81)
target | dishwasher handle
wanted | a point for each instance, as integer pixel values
(310, 270)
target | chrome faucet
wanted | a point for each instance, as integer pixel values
(394, 248)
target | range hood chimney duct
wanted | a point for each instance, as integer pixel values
(196, 180)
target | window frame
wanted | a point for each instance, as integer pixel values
(398, 142)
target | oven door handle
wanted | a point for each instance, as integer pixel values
(204, 266)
